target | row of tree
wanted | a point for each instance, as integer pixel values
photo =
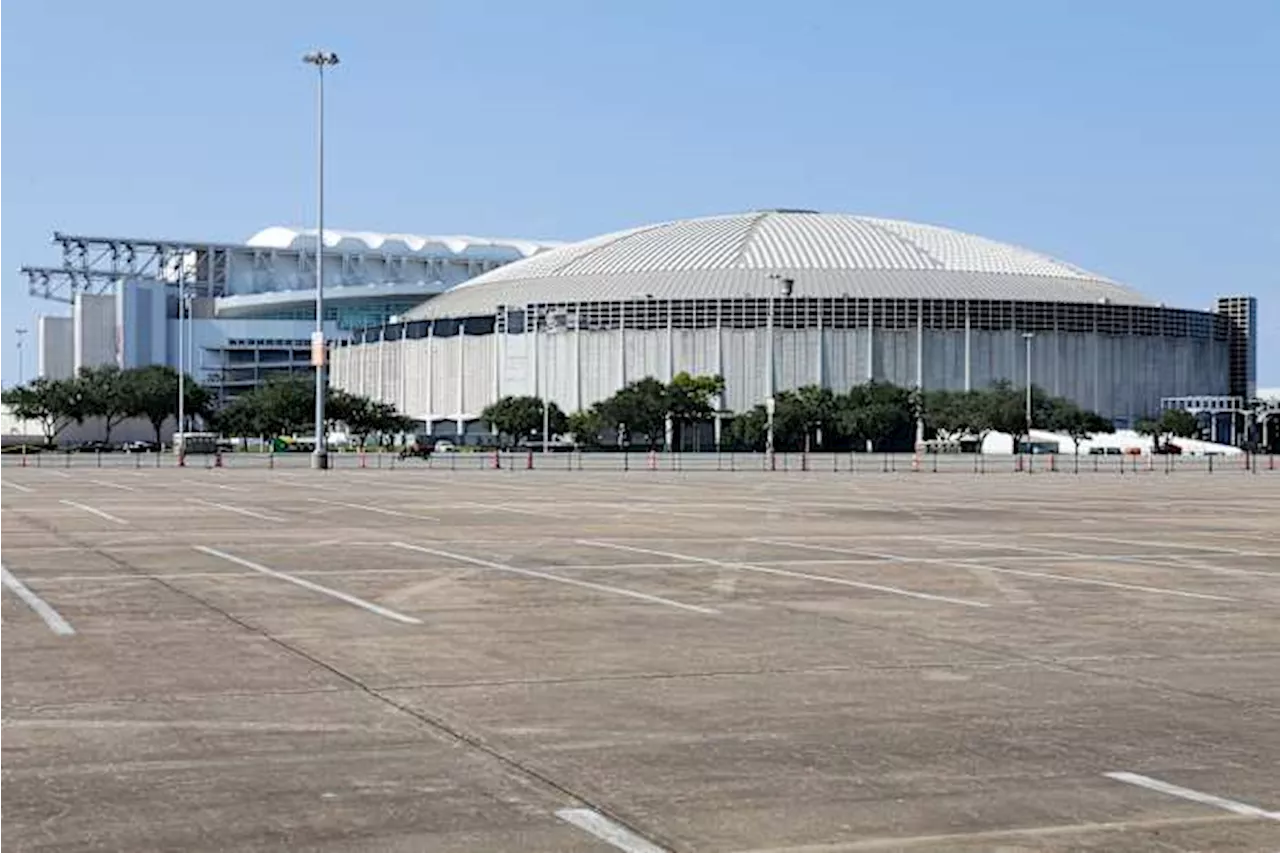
(278, 408)
(109, 393)
(287, 407)
(644, 409)
(874, 416)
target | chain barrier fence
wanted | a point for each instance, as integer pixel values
(513, 462)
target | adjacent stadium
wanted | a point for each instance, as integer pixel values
(779, 299)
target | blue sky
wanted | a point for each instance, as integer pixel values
(1140, 140)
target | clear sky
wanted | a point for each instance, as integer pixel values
(1140, 140)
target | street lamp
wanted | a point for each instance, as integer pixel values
(21, 333)
(1027, 336)
(179, 447)
(321, 59)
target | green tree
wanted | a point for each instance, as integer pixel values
(352, 410)
(1171, 423)
(152, 393)
(748, 430)
(814, 414)
(238, 418)
(639, 408)
(521, 418)
(387, 421)
(107, 393)
(283, 406)
(878, 414)
(689, 401)
(53, 403)
(586, 426)
(1063, 415)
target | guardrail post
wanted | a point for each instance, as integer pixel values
(1210, 464)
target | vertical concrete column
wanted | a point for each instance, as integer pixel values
(577, 361)
(871, 339)
(968, 350)
(462, 377)
(430, 377)
(671, 344)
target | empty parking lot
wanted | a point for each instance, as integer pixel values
(653, 660)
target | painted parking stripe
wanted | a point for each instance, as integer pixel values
(108, 516)
(378, 509)
(1026, 573)
(18, 486)
(767, 570)
(238, 510)
(51, 617)
(1163, 787)
(306, 584)
(112, 485)
(609, 831)
(599, 587)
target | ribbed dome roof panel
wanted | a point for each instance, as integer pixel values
(828, 255)
(956, 250)
(691, 244)
(816, 241)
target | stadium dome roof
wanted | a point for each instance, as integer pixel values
(827, 254)
(463, 246)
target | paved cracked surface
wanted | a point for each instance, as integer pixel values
(435, 660)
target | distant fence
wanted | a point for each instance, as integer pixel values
(641, 461)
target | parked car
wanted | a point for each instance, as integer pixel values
(139, 446)
(94, 447)
(445, 446)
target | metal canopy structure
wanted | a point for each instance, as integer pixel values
(95, 264)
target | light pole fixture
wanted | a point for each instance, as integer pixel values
(1028, 336)
(21, 333)
(321, 59)
(179, 445)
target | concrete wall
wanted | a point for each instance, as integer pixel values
(140, 317)
(1121, 377)
(96, 338)
(55, 347)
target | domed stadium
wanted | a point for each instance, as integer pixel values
(779, 299)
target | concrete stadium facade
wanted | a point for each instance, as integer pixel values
(776, 300)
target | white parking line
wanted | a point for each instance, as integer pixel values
(599, 587)
(969, 564)
(108, 516)
(765, 570)
(112, 485)
(240, 510)
(377, 509)
(1193, 795)
(10, 485)
(508, 508)
(51, 617)
(1155, 544)
(216, 485)
(609, 831)
(306, 584)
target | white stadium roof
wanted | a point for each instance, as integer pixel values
(280, 237)
(828, 255)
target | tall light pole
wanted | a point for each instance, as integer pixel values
(21, 333)
(321, 59)
(178, 446)
(1027, 336)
